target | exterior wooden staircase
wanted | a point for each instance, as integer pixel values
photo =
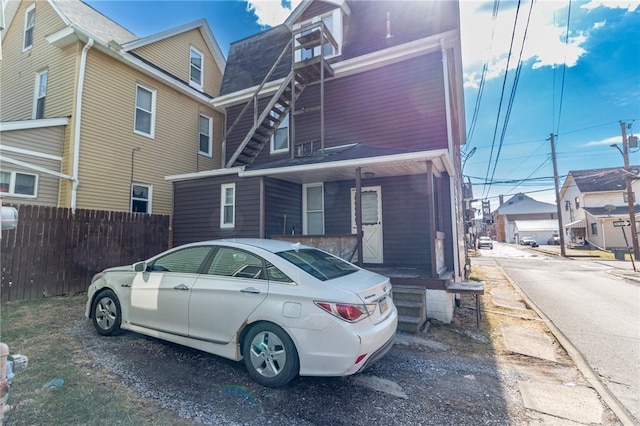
(303, 72)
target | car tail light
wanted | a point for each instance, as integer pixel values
(346, 311)
(360, 358)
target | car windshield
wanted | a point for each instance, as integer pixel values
(321, 265)
(485, 239)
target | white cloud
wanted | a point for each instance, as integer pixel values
(631, 6)
(270, 13)
(607, 141)
(545, 45)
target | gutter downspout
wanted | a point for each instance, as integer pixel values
(452, 188)
(78, 116)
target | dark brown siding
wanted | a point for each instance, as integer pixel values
(404, 217)
(282, 199)
(404, 222)
(197, 209)
(366, 29)
(399, 106)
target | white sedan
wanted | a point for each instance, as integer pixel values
(286, 309)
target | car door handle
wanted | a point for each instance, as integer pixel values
(251, 290)
(181, 287)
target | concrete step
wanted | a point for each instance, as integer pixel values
(410, 324)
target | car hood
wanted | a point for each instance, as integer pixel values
(124, 268)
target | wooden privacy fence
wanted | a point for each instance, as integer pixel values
(55, 252)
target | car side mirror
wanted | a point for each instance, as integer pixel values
(140, 266)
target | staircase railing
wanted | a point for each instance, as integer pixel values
(254, 99)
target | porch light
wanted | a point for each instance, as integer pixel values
(368, 174)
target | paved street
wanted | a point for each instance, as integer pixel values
(598, 312)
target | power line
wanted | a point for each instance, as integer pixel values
(504, 83)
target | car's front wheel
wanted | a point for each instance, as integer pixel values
(270, 356)
(106, 313)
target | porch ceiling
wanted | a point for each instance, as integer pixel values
(382, 166)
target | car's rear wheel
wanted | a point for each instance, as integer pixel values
(270, 356)
(106, 313)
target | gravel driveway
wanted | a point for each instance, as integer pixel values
(420, 381)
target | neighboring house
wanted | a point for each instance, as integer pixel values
(93, 117)
(522, 216)
(353, 144)
(591, 200)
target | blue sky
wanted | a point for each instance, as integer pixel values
(579, 77)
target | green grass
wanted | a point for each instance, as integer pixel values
(90, 395)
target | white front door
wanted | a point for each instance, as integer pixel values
(371, 223)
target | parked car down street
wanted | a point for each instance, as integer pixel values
(286, 309)
(528, 241)
(485, 242)
(554, 240)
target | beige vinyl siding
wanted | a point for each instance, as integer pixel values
(43, 141)
(108, 140)
(172, 55)
(18, 69)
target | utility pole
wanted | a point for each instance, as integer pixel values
(563, 251)
(630, 197)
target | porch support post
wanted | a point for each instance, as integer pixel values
(262, 212)
(359, 215)
(431, 220)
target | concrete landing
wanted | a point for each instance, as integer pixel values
(528, 341)
(576, 403)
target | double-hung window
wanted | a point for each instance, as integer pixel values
(195, 68)
(280, 139)
(205, 145)
(313, 201)
(18, 184)
(141, 198)
(29, 25)
(228, 205)
(145, 111)
(40, 94)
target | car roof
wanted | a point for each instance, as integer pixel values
(273, 246)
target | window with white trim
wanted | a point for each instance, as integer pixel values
(29, 25)
(333, 24)
(18, 184)
(195, 68)
(141, 198)
(228, 205)
(144, 120)
(40, 94)
(205, 130)
(625, 197)
(280, 139)
(313, 205)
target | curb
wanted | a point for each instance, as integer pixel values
(592, 378)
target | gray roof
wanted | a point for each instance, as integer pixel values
(599, 180)
(83, 15)
(619, 210)
(523, 204)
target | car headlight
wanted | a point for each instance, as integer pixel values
(97, 276)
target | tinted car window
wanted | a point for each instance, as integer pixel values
(231, 262)
(186, 261)
(318, 263)
(276, 274)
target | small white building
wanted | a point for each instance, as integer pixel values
(592, 200)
